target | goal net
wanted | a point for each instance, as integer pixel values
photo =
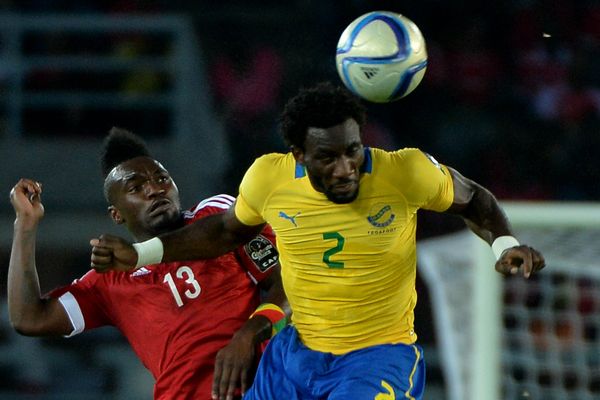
(515, 338)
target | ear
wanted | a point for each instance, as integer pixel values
(115, 215)
(298, 154)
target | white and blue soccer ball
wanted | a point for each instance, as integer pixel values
(381, 56)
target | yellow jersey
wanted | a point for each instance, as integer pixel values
(348, 270)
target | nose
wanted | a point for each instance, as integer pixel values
(152, 188)
(344, 167)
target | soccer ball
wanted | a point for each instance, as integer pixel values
(381, 56)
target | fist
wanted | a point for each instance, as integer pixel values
(520, 258)
(25, 198)
(112, 253)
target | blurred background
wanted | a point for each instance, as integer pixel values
(511, 98)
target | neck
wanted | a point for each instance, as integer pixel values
(154, 231)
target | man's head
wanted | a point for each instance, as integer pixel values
(322, 127)
(138, 188)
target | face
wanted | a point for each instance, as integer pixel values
(143, 197)
(333, 157)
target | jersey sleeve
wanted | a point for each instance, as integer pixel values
(83, 302)
(428, 184)
(259, 255)
(254, 191)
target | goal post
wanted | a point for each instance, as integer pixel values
(515, 338)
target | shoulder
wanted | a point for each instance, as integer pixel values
(406, 158)
(273, 163)
(274, 158)
(268, 171)
(91, 280)
(408, 167)
(210, 205)
(91, 277)
(404, 154)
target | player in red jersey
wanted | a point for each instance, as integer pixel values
(184, 320)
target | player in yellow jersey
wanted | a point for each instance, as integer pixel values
(345, 220)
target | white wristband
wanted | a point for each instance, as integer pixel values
(502, 243)
(149, 252)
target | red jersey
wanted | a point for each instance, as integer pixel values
(177, 315)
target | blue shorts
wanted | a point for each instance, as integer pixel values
(289, 370)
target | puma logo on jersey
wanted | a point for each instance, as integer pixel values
(388, 395)
(291, 219)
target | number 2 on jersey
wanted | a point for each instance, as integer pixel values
(183, 272)
(336, 249)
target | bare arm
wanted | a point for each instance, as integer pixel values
(479, 209)
(234, 363)
(29, 314)
(272, 288)
(484, 216)
(208, 237)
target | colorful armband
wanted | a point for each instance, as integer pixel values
(274, 314)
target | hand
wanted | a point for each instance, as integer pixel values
(25, 198)
(233, 365)
(526, 258)
(112, 253)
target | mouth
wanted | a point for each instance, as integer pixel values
(159, 206)
(344, 187)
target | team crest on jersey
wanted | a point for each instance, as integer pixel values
(381, 216)
(434, 162)
(262, 252)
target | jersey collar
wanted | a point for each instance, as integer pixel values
(367, 166)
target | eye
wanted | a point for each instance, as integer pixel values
(163, 179)
(134, 188)
(325, 158)
(354, 150)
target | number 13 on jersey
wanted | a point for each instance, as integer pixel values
(183, 273)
